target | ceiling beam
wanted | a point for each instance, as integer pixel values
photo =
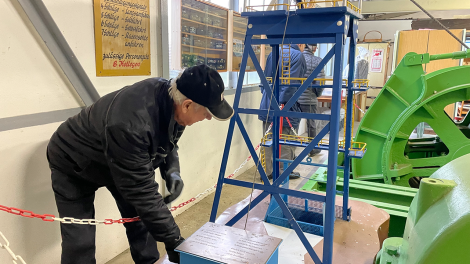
(393, 6)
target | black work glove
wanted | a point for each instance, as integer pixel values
(175, 185)
(170, 246)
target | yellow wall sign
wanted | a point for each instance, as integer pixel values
(122, 37)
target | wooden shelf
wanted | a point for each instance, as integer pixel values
(196, 47)
(213, 5)
(204, 12)
(240, 23)
(204, 24)
(192, 34)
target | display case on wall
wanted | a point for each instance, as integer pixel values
(204, 29)
(239, 31)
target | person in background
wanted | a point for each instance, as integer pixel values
(308, 100)
(362, 64)
(297, 70)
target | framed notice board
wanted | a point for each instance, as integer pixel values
(122, 37)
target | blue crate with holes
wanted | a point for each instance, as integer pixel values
(308, 214)
(310, 219)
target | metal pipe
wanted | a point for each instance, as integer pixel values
(56, 43)
(444, 27)
(454, 55)
(360, 5)
(348, 128)
(234, 5)
(282, 5)
(310, 163)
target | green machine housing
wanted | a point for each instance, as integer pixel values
(393, 160)
(409, 98)
(438, 225)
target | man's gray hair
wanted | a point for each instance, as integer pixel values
(175, 94)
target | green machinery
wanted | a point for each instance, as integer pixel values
(410, 97)
(437, 228)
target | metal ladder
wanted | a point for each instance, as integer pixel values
(285, 68)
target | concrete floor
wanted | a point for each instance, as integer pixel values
(192, 219)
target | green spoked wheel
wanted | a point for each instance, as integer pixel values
(409, 98)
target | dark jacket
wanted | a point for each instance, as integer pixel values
(297, 70)
(120, 140)
(309, 96)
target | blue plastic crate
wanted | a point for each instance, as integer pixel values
(310, 221)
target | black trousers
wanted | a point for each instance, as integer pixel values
(74, 198)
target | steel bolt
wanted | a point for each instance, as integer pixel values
(339, 23)
(250, 25)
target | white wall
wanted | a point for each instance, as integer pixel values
(32, 82)
(388, 28)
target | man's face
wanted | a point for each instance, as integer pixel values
(189, 113)
(301, 47)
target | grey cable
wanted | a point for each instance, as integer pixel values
(444, 27)
(267, 117)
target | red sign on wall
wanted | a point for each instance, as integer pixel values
(377, 60)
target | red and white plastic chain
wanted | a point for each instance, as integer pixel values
(291, 127)
(6, 246)
(208, 190)
(65, 220)
(71, 220)
(362, 111)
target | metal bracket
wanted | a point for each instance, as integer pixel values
(417, 59)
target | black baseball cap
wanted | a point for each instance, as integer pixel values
(204, 86)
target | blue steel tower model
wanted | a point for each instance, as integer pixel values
(312, 25)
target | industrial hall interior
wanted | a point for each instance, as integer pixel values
(234, 131)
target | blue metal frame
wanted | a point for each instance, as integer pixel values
(318, 25)
(349, 117)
